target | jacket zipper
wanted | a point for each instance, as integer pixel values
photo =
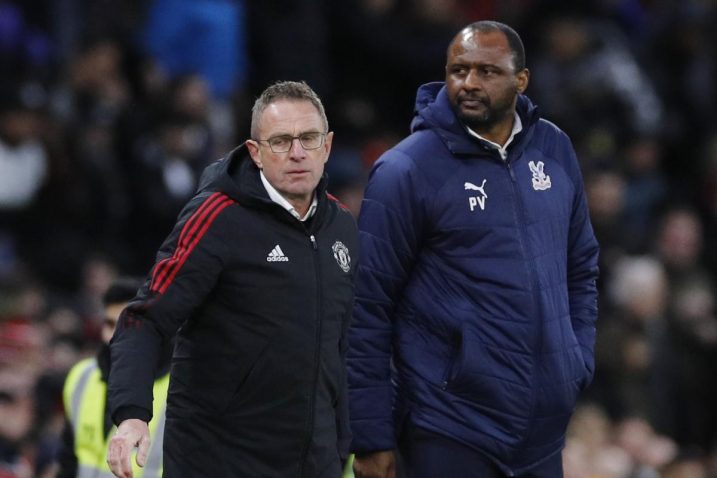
(532, 274)
(317, 356)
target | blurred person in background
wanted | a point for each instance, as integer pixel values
(631, 337)
(208, 39)
(17, 417)
(679, 244)
(88, 425)
(586, 78)
(256, 281)
(22, 357)
(688, 365)
(476, 296)
(24, 164)
(591, 449)
(168, 158)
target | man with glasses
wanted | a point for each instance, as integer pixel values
(256, 281)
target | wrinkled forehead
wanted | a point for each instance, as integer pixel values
(288, 116)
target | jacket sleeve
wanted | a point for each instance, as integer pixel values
(582, 267)
(390, 232)
(187, 267)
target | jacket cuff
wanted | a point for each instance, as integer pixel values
(125, 413)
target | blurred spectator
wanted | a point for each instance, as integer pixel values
(85, 434)
(688, 366)
(649, 451)
(686, 468)
(403, 42)
(207, 38)
(628, 338)
(168, 159)
(23, 159)
(606, 191)
(679, 244)
(590, 447)
(646, 190)
(23, 162)
(586, 78)
(16, 421)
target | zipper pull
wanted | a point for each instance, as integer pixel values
(313, 243)
(512, 173)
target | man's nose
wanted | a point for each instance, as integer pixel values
(472, 80)
(297, 149)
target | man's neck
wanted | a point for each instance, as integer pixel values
(299, 207)
(497, 133)
(502, 146)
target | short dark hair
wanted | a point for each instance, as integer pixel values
(286, 90)
(514, 41)
(122, 289)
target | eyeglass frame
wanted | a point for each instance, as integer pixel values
(268, 140)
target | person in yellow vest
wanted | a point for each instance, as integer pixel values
(88, 426)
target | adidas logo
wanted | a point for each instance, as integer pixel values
(276, 255)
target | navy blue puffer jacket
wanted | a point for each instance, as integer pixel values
(476, 299)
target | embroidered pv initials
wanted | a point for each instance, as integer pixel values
(478, 199)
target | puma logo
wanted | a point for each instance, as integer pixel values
(478, 200)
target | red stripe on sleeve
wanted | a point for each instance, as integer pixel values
(336, 200)
(161, 270)
(164, 267)
(196, 238)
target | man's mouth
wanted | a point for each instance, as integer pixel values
(472, 103)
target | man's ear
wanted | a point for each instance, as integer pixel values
(327, 144)
(253, 148)
(523, 78)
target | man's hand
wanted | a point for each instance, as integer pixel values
(130, 433)
(380, 464)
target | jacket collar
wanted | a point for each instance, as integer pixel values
(237, 176)
(433, 111)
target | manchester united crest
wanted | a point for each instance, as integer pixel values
(341, 254)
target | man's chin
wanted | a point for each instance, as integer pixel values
(475, 120)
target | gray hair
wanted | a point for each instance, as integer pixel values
(285, 90)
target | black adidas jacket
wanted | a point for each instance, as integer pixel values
(260, 304)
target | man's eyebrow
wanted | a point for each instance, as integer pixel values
(312, 130)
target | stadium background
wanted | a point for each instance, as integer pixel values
(109, 109)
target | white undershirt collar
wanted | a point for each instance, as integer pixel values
(275, 196)
(503, 150)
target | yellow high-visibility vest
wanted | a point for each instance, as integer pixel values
(349, 467)
(85, 396)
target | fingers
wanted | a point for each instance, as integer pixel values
(380, 464)
(129, 434)
(143, 450)
(118, 457)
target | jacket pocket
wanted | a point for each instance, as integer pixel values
(486, 372)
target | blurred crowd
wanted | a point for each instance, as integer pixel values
(109, 110)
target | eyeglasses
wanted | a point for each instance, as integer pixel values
(282, 144)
